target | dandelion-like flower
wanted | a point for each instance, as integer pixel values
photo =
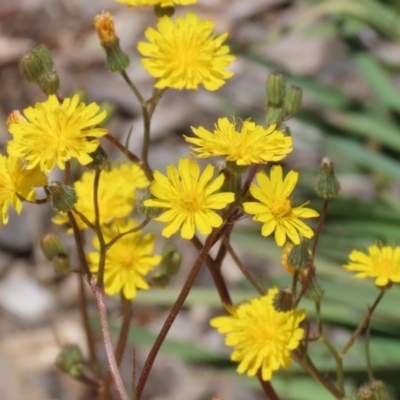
(189, 198)
(382, 263)
(53, 133)
(162, 3)
(185, 54)
(262, 337)
(250, 144)
(17, 181)
(274, 207)
(127, 261)
(116, 194)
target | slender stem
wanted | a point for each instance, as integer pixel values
(133, 387)
(146, 126)
(122, 339)
(305, 362)
(368, 353)
(97, 224)
(320, 225)
(267, 388)
(362, 324)
(242, 268)
(122, 234)
(84, 219)
(216, 275)
(89, 381)
(210, 241)
(100, 297)
(79, 245)
(133, 157)
(250, 176)
(83, 308)
(132, 86)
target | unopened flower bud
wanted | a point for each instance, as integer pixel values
(283, 300)
(379, 390)
(70, 360)
(275, 115)
(62, 197)
(293, 100)
(327, 185)
(171, 260)
(35, 63)
(276, 88)
(300, 256)
(314, 291)
(161, 11)
(49, 82)
(365, 393)
(160, 280)
(51, 246)
(61, 263)
(99, 157)
(117, 60)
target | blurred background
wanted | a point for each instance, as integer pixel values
(345, 55)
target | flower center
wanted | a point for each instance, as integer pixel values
(190, 202)
(281, 207)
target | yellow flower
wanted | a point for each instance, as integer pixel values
(262, 337)
(162, 3)
(186, 54)
(251, 144)
(381, 263)
(274, 207)
(127, 261)
(189, 199)
(116, 194)
(53, 133)
(16, 180)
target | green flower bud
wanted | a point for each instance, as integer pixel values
(283, 300)
(61, 263)
(51, 246)
(70, 360)
(275, 115)
(62, 197)
(148, 212)
(117, 60)
(276, 88)
(35, 63)
(365, 393)
(49, 82)
(171, 260)
(293, 100)
(327, 185)
(314, 291)
(99, 159)
(379, 390)
(163, 11)
(160, 280)
(300, 256)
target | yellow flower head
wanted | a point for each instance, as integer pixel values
(127, 261)
(116, 194)
(189, 199)
(381, 263)
(53, 133)
(274, 207)
(15, 179)
(162, 3)
(251, 144)
(262, 337)
(185, 54)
